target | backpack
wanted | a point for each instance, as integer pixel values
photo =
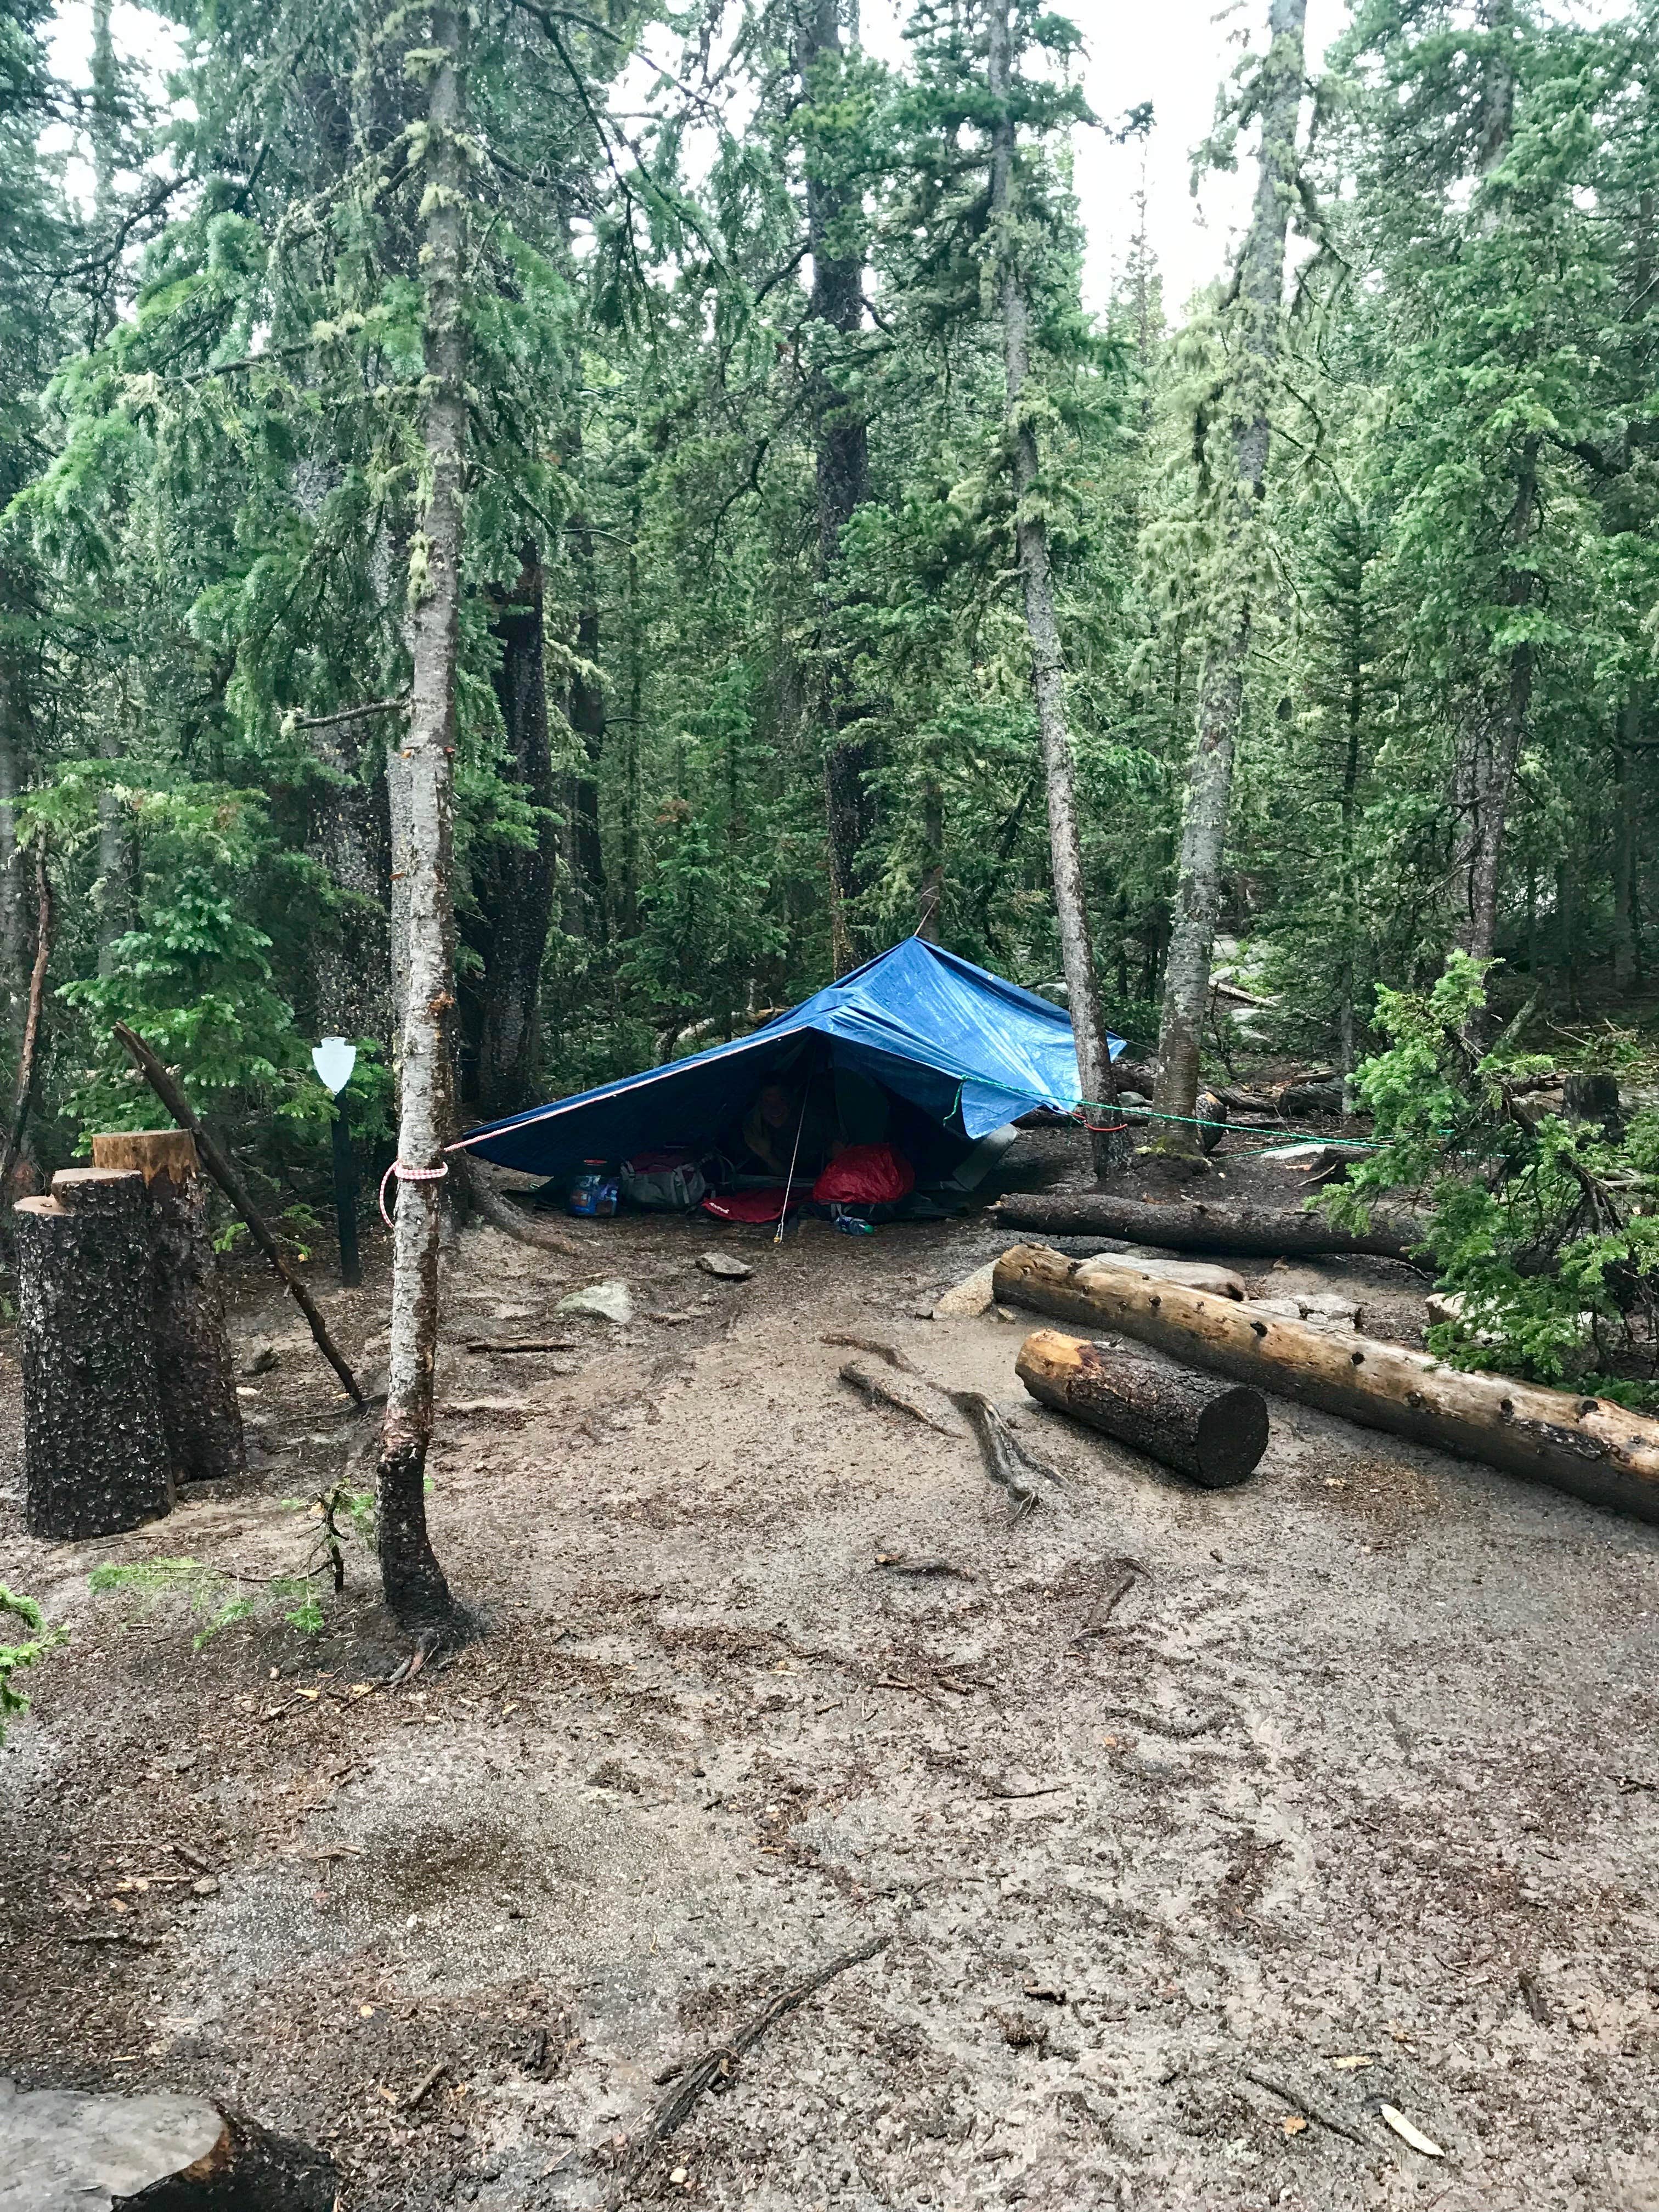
(668, 1182)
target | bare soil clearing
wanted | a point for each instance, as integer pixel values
(1175, 1805)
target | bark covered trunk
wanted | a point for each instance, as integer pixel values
(1109, 1137)
(13, 928)
(194, 1374)
(95, 1446)
(1221, 695)
(842, 459)
(1588, 1447)
(1213, 1431)
(1197, 1228)
(584, 888)
(350, 830)
(513, 885)
(412, 1579)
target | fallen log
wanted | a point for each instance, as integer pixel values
(1192, 1226)
(1588, 1447)
(1033, 1275)
(1213, 1431)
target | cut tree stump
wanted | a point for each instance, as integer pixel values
(1213, 1431)
(1588, 1446)
(1192, 1227)
(193, 1369)
(95, 1445)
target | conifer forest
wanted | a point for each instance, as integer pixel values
(537, 535)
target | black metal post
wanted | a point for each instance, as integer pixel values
(345, 1196)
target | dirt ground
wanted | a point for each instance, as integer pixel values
(1172, 1805)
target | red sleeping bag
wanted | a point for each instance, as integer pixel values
(753, 1205)
(866, 1175)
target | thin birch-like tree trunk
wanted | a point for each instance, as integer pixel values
(1110, 1143)
(412, 1580)
(1221, 697)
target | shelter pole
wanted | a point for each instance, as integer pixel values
(789, 1180)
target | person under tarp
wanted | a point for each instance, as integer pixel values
(918, 1050)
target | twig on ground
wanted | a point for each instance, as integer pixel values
(425, 2087)
(882, 1350)
(718, 2068)
(1176, 1731)
(1105, 1605)
(1303, 2104)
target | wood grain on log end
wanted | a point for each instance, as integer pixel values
(152, 1152)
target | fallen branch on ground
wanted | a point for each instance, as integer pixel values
(718, 2068)
(882, 1350)
(1301, 2104)
(1194, 1227)
(911, 1395)
(1006, 1460)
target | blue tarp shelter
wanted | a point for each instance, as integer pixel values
(970, 1051)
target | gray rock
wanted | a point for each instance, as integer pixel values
(261, 1358)
(611, 1301)
(725, 1266)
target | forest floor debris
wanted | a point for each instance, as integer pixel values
(1337, 1770)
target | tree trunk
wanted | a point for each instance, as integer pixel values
(94, 1447)
(1626, 840)
(584, 902)
(14, 928)
(842, 456)
(1110, 1139)
(194, 1375)
(1213, 1431)
(350, 830)
(412, 1580)
(512, 885)
(1588, 1447)
(931, 897)
(1221, 695)
(1193, 1227)
(627, 916)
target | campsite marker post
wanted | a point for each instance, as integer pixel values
(334, 1059)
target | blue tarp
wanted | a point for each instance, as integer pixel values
(970, 1050)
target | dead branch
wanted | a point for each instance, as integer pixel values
(882, 1350)
(717, 2068)
(1106, 1604)
(1006, 1460)
(218, 1165)
(913, 1399)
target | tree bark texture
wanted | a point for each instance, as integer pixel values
(512, 885)
(1221, 695)
(841, 463)
(584, 883)
(14, 929)
(200, 1411)
(1110, 1139)
(1588, 1446)
(1213, 1431)
(1183, 1227)
(95, 1446)
(1494, 722)
(351, 830)
(412, 1579)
